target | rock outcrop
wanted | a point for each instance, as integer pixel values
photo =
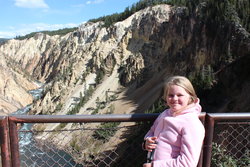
(128, 60)
(14, 87)
(120, 69)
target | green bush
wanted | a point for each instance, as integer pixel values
(99, 76)
(83, 99)
(106, 131)
(75, 145)
(220, 158)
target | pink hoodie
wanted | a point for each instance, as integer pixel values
(179, 138)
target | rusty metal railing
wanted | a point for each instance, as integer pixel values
(4, 139)
(21, 119)
(10, 131)
(214, 118)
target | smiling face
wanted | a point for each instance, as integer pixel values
(177, 98)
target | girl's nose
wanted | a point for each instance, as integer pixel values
(175, 97)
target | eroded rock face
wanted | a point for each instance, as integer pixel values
(149, 45)
(120, 69)
(13, 89)
(64, 60)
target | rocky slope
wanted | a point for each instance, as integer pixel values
(121, 68)
(14, 87)
(89, 70)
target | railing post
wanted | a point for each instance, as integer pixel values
(202, 118)
(14, 144)
(209, 128)
(4, 139)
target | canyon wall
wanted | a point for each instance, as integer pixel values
(126, 63)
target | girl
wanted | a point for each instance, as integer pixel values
(177, 131)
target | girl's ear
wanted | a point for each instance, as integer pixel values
(196, 100)
(193, 100)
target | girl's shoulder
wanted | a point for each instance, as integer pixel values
(165, 113)
(191, 116)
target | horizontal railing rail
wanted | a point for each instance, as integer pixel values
(82, 118)
(229, 116)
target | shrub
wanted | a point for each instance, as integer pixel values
(220, 158)
(106, 131)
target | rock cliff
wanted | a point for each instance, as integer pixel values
(14, 87)
(120, 69)
(96, 67)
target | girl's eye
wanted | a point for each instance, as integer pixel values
(170, 95)
(178, 95)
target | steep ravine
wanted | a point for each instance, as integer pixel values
(120, 69)
(156, 41)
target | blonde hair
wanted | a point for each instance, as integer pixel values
(182, 82)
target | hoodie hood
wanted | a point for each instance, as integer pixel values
(191, 108)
